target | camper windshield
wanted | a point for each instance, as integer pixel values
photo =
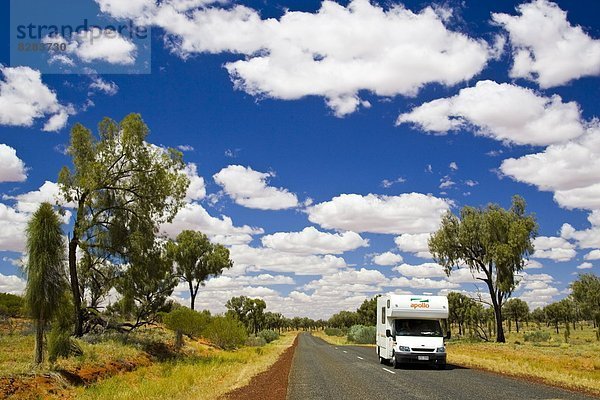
(418, 327)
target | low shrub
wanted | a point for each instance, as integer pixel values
(226, 332)
(60, 345)
(184, 321)
(255, 341)
(362, 334)
(334, 332)
(537, 336)
(269, 335)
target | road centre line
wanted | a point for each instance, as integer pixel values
(359, 357)
(344, 351)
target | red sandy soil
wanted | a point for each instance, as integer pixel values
(271, 384)
(26, 387)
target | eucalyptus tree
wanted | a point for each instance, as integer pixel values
(492, 242)
(197, 259)
(517, 310)
(115, 177)
(46, 279)
(586, 293)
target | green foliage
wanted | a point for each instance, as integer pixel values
(248, 311)
(197, 259)
(147, 283)
(121, 186)
(226, 332)
(255, 341)
(362, 334)
(269, 335)
(184, 321)
(517, 310)
(367, 312)
(11, 305)
(491, 241)
(344, 319)
(586, 294)
(46, 281)
(537, 336)
(334, 332)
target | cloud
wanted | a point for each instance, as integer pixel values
(334, 53)
(249, 188)
(426, 270)
(414, 243)
(106, 87)
(30, 201)
(197, 189)
(12, 229)
(386, 183)
(406, 213)
(387, 258)
(553, 248)
(25, 98)
(11, 284)
(185, 147)
(592, 255)
(222, 230)
(585, 265)
(248, 258)
(12, 168)
(482, 109)
(571, 170)
(94, 45)
(586, 238)
(422, 283)
(453, 166)
(547, 48)
(312, 241)
(533, 264)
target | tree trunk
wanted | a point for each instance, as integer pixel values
(73, 243)
(517, 324)
(497, 313)
(39, 341)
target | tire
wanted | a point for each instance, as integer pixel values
(440, 367)
(395, 362)
(381, 360)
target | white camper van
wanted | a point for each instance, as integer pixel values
(409, 329)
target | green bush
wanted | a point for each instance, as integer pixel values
(334, 332)
(11, 305)
(537, 336)
(269, 335)
(226, 332)
(60, 345)
(255, 341)
(362, 334)
(184, 321)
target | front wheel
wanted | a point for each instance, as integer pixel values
(395, 362)
(381, 360)
(440, 366)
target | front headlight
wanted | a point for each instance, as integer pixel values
(441, 349)
(403, 348)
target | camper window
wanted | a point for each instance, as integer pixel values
(417, 327)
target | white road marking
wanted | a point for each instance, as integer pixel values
(360, 358)
(387, 370)
(344, 351)
(336, 348)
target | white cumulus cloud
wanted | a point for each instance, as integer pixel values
(313, 241)
(406, 213)
(12, 168)
(249, 188)
(547, 48)
(387, 258)
(334, 53)
(483, 109)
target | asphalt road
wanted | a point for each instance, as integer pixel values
(321, 371)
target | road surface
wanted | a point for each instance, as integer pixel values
(321, 371)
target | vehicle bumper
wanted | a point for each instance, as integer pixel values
(410, 358)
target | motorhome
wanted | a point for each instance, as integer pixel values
(409, 329)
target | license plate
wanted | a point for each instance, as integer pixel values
(423, 358)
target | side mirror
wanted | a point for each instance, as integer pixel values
(448, 335)
(388, 333)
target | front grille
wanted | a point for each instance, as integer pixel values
(422, 350)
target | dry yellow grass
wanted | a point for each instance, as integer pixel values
(336, 340)
(208, 375)
(574, 365)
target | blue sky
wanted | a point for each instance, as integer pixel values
(357, 124)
